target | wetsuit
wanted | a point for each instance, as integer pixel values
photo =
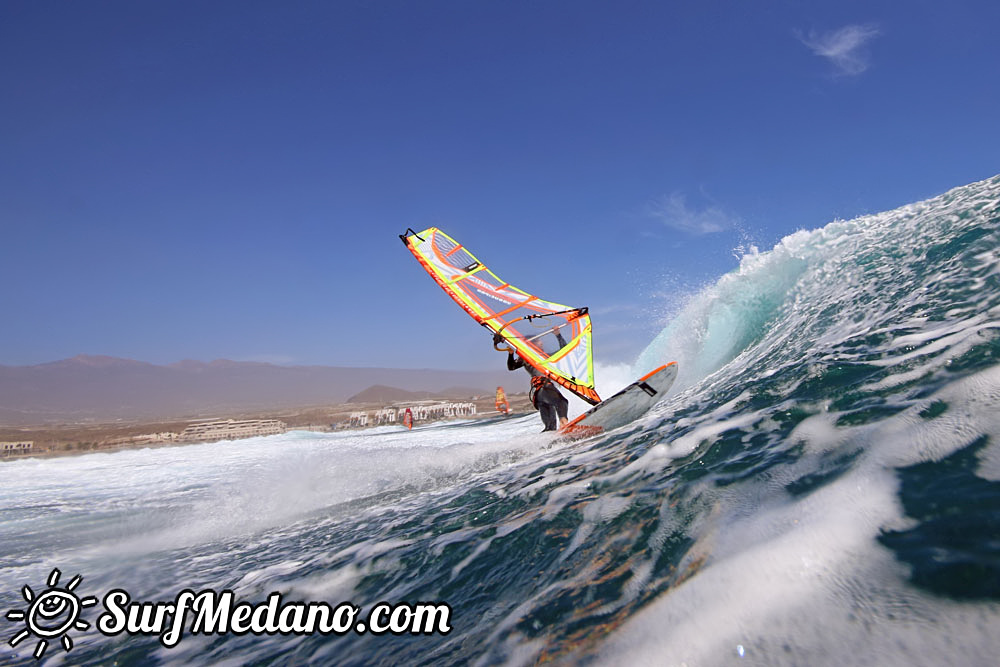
(544, 396)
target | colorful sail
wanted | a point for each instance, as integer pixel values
(503, 407)
(552, 338)
(408, 418)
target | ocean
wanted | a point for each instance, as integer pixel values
(821, 487)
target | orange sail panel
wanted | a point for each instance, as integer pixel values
(554, 339)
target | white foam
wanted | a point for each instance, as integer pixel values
(133, 502)
(789, 581)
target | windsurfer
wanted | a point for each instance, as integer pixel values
(543, 394)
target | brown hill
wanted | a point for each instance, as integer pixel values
(379, 393)
(88, 388)
(382, 394)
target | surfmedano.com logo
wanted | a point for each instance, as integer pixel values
(52, 614)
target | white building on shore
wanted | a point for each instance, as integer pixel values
(14, 448)
(439, 411)
(209, 430)
(423, 411)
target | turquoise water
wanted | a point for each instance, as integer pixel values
(821, 488)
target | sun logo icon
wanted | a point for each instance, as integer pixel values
(51, 614)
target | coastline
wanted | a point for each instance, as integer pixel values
(87, 437)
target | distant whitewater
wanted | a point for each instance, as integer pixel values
(823, 488)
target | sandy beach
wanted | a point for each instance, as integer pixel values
(91, 436)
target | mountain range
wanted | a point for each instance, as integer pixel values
(99, 388)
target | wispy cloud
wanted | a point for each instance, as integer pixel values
(674, 212)
(844, 48)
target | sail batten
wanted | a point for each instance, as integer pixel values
(554, 339)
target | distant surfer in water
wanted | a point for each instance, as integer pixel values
(543, 393)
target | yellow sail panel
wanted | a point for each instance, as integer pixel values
(552, 338)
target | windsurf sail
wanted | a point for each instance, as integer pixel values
(503, 406)
(554, 339)
(408, 418)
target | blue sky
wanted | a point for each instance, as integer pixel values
(228, 179)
